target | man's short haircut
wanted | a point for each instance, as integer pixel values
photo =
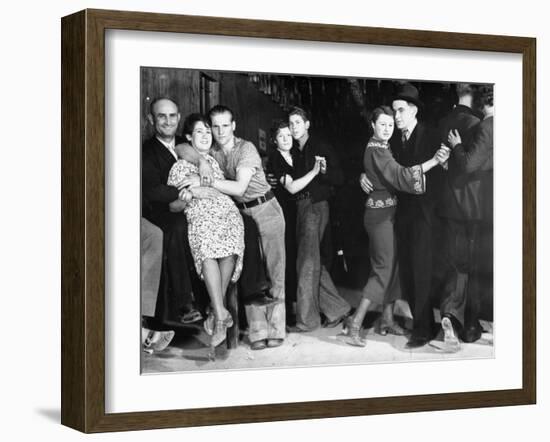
(380, 110)
(191, 121)
(276, 127)
(463, 89)
(219, 109)
(295, 110)
(485, 95)
(156, 100)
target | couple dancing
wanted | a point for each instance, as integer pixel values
(383, 178)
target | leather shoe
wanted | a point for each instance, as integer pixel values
(274, 342)
(336, 322)
(471, 333)
(296, 329)
(262, 298)
(157, 340)
(258, 345)
(393, 328)
(417, 342)
(191, 317)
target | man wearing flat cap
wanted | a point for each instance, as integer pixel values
(415, 143)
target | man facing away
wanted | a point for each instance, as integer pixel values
(468, 207)
(316, 292)
(245, 181)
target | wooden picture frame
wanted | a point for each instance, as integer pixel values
(83, 220)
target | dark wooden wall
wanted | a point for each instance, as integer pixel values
(253, 109)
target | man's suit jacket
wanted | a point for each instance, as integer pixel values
(420, 147)
(475, 161)
(460, 190)
(155, 167)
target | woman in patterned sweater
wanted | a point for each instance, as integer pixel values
(387, 177)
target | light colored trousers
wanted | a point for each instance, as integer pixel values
(151, 261)
(269, 321)
(316, 292)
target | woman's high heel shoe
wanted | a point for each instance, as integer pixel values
(209, 323)
(354, 334)
(220, 330)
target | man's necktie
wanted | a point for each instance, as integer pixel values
(404, 137)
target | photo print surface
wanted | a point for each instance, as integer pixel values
(297, 221)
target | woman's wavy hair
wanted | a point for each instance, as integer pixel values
(275, 128)
(191, 120)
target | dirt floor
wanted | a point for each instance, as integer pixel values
(190, 350)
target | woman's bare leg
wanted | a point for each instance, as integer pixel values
(387, 313)
(354, 323)
(361, 311)
(387, 322)
(227, 266)
(212, 280)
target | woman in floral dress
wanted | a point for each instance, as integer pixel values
(216, 234)
(387, 176)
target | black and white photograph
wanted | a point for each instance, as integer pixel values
(300, 221)
(250, 221)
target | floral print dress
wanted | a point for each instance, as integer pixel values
(215, 225)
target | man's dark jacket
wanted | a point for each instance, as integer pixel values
(460, 193)
(420, 147)
(156, 194)
(475, 161)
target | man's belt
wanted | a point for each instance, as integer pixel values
(269, 195)
(303, 196)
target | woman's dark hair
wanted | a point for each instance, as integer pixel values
(380, 110)
(276, 127)
(191, 120)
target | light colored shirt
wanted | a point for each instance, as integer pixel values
(243, 155)
(170, 146)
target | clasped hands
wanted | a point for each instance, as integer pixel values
(442, 154)
(194, 186)
(198, 185)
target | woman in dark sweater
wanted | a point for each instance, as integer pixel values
(281, 167)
